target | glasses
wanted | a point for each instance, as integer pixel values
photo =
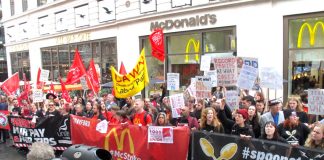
(51, 104)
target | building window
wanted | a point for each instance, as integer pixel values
(184, 52)
(305, 50)
(12, 7)
(41, 2)
(24, 5)
(20, 63)
(58, 59)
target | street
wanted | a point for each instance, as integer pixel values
(10, 153)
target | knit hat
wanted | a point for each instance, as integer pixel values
(243, 112)
(289, 112)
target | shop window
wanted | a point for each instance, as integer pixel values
(305, 52)
(20, 63)
(85, 52)
(12, 7)
(41, 2)
(219, 41)
(109, 58)
(24, 5)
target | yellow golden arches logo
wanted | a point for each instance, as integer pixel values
(120, 140)
(196, 47)
(312, 32)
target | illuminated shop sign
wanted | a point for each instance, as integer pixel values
(195, 21)
(312, 31)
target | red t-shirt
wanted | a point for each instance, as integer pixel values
(139, 118)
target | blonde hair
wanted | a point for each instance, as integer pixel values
(311, 143)
(203, 120)
(299, 107)
(40, 151)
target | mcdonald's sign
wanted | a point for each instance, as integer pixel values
(120, 153)
(196, 47)
(311, 30)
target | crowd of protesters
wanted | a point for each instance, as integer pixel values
(255, 117)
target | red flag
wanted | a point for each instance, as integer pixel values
(92, 79)
(77, 69)
(39, 84)
(4, 122)
(65, 94)
(157, 43)
(122, 69)
(11, 84)
(25, 93)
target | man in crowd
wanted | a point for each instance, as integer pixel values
(247, 101)
(187, 120)
(275, 114)
(141, 117)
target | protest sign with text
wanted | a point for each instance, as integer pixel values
(247, 77)
(232, 99)
(173, 81)
(176, 102)
(270, 78)
(226, 71)
(316, 101)
(203, 87)
(205, 63)
(158, 134)
(213, 76)
(37, 95)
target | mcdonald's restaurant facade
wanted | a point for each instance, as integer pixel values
(285, 35)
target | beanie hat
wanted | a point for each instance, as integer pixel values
(243, 112)
(289, 112)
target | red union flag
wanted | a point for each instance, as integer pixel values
(65, 94)
(93, 80)
(4, 123)
(77, 69)
(157, 43)
(11, 84)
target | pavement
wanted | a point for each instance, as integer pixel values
(7, 152)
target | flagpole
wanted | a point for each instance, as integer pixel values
(91, 86)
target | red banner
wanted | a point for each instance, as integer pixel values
(4, 124)
(93, 80)
(11, 84)
(129, 142)
(157, 43)
(65, 94)
(77, 69)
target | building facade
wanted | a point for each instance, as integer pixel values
(285, 35)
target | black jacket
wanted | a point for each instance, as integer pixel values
(297, 134)
(246, 130)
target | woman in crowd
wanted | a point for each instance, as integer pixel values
(292, 129)
(161, 120)
(295, 104)
(209, 121)
(79, 110)
(271, 133)
(121, 117)
(198, 109)
(88, 110)
(258, 96)
(253, 120)
(316, 137)
(97, 114)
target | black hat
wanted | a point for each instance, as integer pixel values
(273, 102)
(289, 112)
(50, 94)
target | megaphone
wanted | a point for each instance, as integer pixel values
(83, 152)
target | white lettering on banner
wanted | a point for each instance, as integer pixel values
(25, 131)
(81, 122)
(28, 135)
(157, 134)
(123, 155)
(259, 155)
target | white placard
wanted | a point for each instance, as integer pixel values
(157, 134)
(232, 99)
(226, 71)
(44, 75)
(102, 126)
(84, 83)
(37, 95)
(205, 63)
(213, 76)
(176, 102)
(203, 87)
(270, 78)
(173, 81)
(247, 77)
(316, 101)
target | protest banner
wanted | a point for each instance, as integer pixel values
(158, 134)
(316, 101)
(52, 130)
(176, 102)
(205, 63)
(247, 77)
(213, 76)
(221, 146)
(4, 124)
(44, 75)
(129, 84)
(129, 142)
(270, 78)
(173, 81)
(226, 71)
(203, 87)
(232, 99)
(84, 83)
(37, 95)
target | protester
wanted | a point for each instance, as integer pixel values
(295, 104)
(260, 107)
(316, 137)
(199, 107)
(111, 101)
(219, 93)
(79, 110)
(141, 117)
(209, 121)
(52, 110)
(88, 110)
(292, 130)
(129, 103)
(161, 120)
(40, 151)
(253, 120)
(271, 133)
(274, 114)
(3, 107)
(97, 114)
(240, 127)
(247, 101)
(16, 110)
(10, 101)
(258, 96)
(121, 117)
(187, 120)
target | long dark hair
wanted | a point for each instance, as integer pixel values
(275, 134)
